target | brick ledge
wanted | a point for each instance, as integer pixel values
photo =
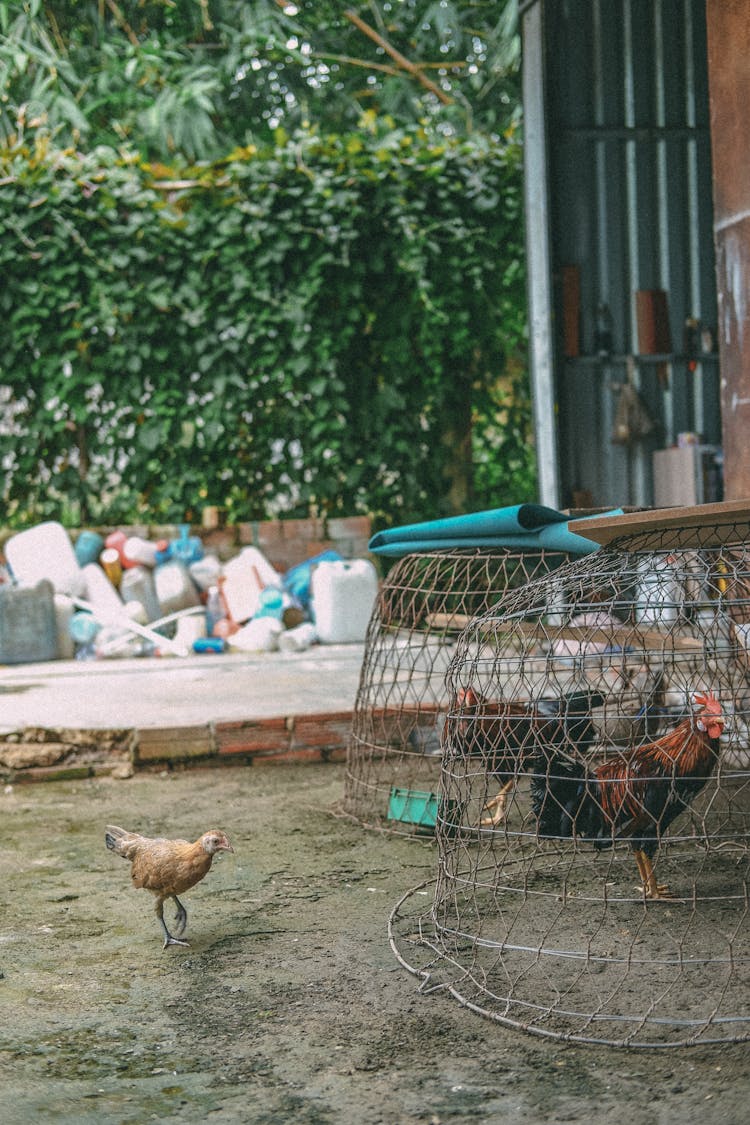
(288, 739)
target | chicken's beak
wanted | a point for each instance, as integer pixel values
(226, 847)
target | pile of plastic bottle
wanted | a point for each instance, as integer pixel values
(124, 595)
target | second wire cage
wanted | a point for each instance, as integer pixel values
(393, 757)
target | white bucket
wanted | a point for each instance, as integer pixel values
(342, 598)
(45, 551)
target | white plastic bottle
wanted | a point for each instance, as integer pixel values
(342, 598)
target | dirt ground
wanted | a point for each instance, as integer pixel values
(289, 1006)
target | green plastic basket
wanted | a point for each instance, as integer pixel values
(413, 806)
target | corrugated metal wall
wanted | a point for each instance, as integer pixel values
(630, 205)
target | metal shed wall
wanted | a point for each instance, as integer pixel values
(626, 171)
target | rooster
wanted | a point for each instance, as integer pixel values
(634, 795)
(167, 867)
(507, 734)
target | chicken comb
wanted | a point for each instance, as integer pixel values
(467, 697)
(708, 702)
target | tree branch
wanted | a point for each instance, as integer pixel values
(402, 63)
(367, 65)
(400, 60)
(356, 62)
(122, 22)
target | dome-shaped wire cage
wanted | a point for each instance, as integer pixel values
(605, 897)
(394, 745)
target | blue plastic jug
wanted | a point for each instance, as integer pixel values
(187, 548)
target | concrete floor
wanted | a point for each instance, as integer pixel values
(179, 691)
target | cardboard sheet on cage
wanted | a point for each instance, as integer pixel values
(705, 525)
(521, 527)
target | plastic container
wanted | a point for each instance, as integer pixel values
(139, 552)
(187, 548)
(342, 596)
(259, 635)
(214, 610)
(28, 623)
(175, 589)
(110, 563)
(115, 541)
(189, 630)
(270, 603)
(246, 575)
(63, 612)
(88, 547)
(163, 551)
(297, 578)
(209, 644)
(138, 585)
(660, 595)
(45, 551)
(100, 591)
(83, 628)
(413, 806)
(205, 572)
(298, 639)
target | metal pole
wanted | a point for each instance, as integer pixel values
(536, 198)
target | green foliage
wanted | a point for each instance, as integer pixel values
(198, 77)
(282, 329)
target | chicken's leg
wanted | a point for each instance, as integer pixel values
(168, 938)
(181, 918)
(650, 887)
(497, 804)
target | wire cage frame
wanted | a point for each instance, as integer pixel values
(394, 743)
(608, 702)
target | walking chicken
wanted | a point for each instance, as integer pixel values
(167, 868)
(634, 795)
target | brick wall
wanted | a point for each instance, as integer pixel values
(284, 542)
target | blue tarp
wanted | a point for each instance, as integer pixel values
(523, 527)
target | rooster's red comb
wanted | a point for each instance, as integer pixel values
(707, 702)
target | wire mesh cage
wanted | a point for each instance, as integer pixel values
(594, 801)
(393, 755)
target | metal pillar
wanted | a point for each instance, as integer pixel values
(536, 198)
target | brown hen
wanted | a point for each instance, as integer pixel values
(167, 867)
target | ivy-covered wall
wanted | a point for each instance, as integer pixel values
(332, 325)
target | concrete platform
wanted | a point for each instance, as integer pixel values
(162, 692)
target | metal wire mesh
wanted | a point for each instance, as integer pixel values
(393, 756)
(609, 702)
